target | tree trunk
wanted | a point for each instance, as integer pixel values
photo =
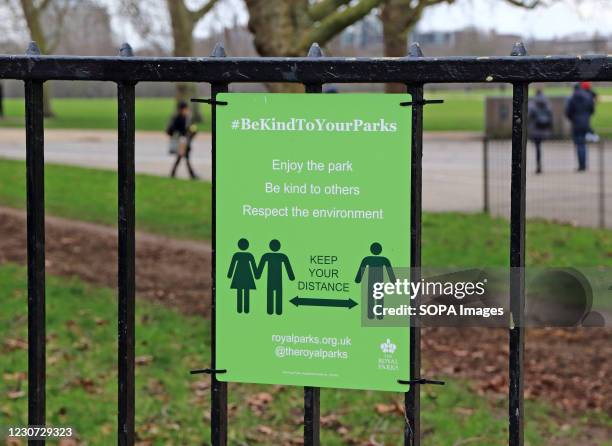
(394, 46)
(284, 87)
(182, 34)
(277, 26)
(398, 20)
(287, 28)
(32, 18)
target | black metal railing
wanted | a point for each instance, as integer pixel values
(313, 71)
(559, 193)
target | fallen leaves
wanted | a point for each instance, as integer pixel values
(143, 360)
(12, 344)
(266, 430)
(88, 385)
(16, 376)
(15, 394)
(566, 367)
(259, 402)
(107, 429)
(200, 387)
(157, 389)
(394, 408)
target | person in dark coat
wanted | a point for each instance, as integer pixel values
(182, 133)
(540, 118)
(579, 109)
(591, 136)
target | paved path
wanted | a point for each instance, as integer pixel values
(98, 148)
(452, 170)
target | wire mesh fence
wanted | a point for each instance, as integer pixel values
(560, 192)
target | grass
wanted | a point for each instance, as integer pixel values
(465, 110)
(172, 405)
(164, 206)
(181, 209)
(454, 239)
(99, 113)
(462, 111)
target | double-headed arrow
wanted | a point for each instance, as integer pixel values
(318, 302)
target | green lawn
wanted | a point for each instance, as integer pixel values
(172, 405)
(99, 113)
(164, 206)
(181, 209)
(462, 111)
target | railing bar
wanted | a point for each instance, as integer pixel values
(412, 398)
(485, 176)
(412, 403)
(312, 395)
(218, 411)
(35, 183)
(126, 99)
(306, 70)
(517, 262)
(602, 183)
(312, 416)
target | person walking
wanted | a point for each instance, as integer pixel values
(591, 136)
(579, 109)
(540, 118)
(181, 133)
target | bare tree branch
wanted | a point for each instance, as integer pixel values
(528, 4)
(150, 20)
(202, 11)
(322, 9)
(435, 2)
(44, 5)
(53, 40)
(336, 22)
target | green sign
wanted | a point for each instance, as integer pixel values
(312, 206)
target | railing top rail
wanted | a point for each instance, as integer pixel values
(408, 70)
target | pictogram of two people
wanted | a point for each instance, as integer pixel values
(244, 271)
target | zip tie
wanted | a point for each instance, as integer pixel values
(421, 381)
(423, 102)
(208, 371)
(209, 101)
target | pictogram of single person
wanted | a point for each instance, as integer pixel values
(243, 272)
(375, 264)
(275, 261)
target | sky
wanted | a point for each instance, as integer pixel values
(578, 18)
(563, 18)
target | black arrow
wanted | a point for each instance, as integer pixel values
(318, 302)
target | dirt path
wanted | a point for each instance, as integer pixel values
(174, 272)
(568, 368)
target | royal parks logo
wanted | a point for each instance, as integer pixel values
(388, 361)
